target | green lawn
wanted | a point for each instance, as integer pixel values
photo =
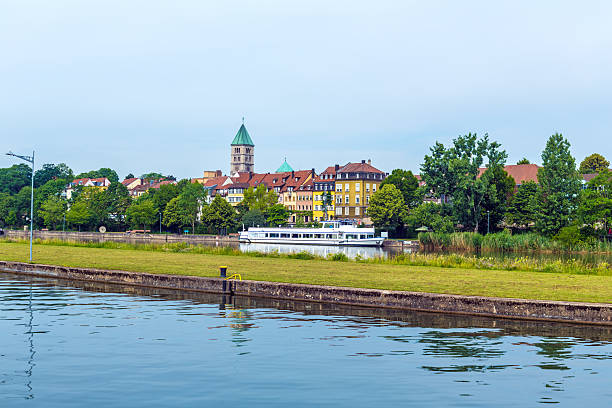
(500, 283)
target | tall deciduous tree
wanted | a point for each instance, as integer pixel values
(51, 172)
(14, 178)
(595, 207)
(387, 209)
(559, 186)
(277, 215)
(594, 163)
(407, 184)
(141, 214)
(219, 216)
(259, 198)
(496, 198)
(454, 172)
(78, 214)
(524, 160)
(52, 211)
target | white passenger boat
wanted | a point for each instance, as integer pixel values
(331, 233)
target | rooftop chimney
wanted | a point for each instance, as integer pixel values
(370, 162)
(337, 167)
(363, 162)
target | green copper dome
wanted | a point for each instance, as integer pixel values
(285, 167)
(242, 137)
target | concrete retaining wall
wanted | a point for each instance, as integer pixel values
(589, 313)
(209, 240)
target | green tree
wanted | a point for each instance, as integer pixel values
(51, 172)
(253, 218)
(522, 208)
(129, 176)
(455, 172)
(277, 215)
(524, 160)
(260, 198)
(14, 178)
(438, 217)
(110, 174)
(407, 184)
(496, 198)
(7, 210)
(387, 209)
(594, 163)
(559, 186)
(114, 202)
(595, 206)
(152, 176)
(191, 199)
(219, 216)
(141, 214)
(176, 215)
(78, 214)
(52, 211)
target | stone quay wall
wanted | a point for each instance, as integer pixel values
(538, 310)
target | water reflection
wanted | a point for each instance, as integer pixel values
(156, 347)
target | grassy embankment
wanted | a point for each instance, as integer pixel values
(503, 241)
(453, 274)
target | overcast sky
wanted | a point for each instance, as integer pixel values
(145, 85)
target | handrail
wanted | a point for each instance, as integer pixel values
(234, 277)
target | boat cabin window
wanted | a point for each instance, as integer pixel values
(294, 235)
(284, 235)
(274, 235)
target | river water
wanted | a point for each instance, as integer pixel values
(69, 344)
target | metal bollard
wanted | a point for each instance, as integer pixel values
(223, 271)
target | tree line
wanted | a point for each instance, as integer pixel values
(471, 199)
(178, 207)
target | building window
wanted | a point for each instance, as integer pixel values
(373, 188)
(367, 187)
(357, 199)
(346, 199)
(339, 188)
(356, 210)
(346, 188)
(339, 211)
(338, 199)
(368, 200)
(347, 211)
(357, 187)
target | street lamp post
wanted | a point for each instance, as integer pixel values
(160, 214)
(29, 159)
(488, 221)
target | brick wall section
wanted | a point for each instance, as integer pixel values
(573, 312)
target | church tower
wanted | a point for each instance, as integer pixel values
(242, 158)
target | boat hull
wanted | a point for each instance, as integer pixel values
(374, 242)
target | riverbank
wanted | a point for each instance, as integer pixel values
(370, 275)
(584, 313)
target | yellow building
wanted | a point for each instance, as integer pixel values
(355, 184)
(324, 184)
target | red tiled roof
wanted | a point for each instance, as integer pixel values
(590, 176)
(521, 173)
(359, 168)
(129, 181)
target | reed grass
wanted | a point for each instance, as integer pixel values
(505, 242)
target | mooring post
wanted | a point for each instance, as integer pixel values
(223, 274)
